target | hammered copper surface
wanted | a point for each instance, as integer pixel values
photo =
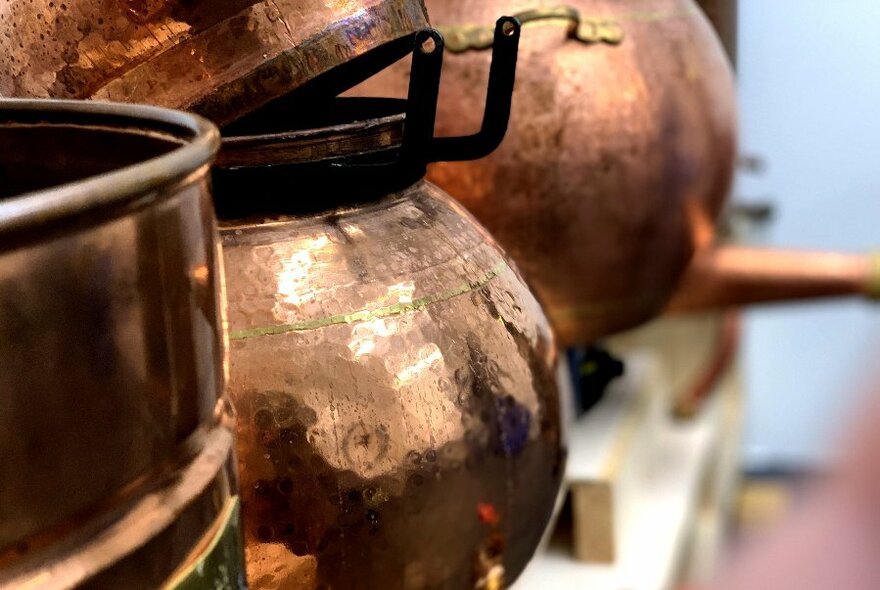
(617, 161)
(398, 412)
(111, 344)
(221, 58)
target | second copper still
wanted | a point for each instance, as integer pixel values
(617, 164)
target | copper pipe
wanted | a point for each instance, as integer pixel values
(736, 276)
(726, 344)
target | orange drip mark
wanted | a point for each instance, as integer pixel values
(488, 514)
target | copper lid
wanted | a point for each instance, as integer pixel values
(220, 58)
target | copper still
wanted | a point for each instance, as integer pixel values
(619, 155)
(618, 162)
(116, 447)
(399, 419)
(220, 58)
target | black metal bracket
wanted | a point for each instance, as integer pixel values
(419, 142)
(362, 176)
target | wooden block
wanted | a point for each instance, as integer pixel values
(602, 475)
(639, 479)
(593, 513)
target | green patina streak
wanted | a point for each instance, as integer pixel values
(602, 308)
(365, 315)
(657, 15)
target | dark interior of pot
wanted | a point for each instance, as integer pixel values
(313, 104)
(41, 155)
(305, 161)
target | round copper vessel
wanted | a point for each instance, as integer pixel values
(115, 443)
(619, 155)
(394, 377)
(221, 58)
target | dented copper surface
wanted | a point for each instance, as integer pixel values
(618, 159)
(399, 419)
(221, 58)
(115, 445)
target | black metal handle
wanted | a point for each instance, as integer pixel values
(424, 88)
(499, 96)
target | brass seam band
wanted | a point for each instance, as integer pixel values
(872, 288)
(365, 315)
(574, 314)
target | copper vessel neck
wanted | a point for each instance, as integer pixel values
(377, 146)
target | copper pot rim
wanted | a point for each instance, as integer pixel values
(111, 193)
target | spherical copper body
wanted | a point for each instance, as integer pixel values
(618, 158)
(398, 411)
(221, 58)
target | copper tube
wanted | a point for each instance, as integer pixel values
(734, 276)
(726, 345)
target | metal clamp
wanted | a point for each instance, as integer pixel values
(462, 38)
(364, 171)
(419, 144)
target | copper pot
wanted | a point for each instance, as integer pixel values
(115, 445)
(619, 155)
(221, 58)
(394, 377)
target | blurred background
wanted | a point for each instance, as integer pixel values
(662, 503)
(808, 92)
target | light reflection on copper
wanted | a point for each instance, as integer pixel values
(427, 358)
(295, 273)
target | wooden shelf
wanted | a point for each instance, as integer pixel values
(651, 495)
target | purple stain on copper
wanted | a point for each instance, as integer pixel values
(512, 422)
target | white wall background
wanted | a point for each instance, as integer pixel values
(809, 78)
